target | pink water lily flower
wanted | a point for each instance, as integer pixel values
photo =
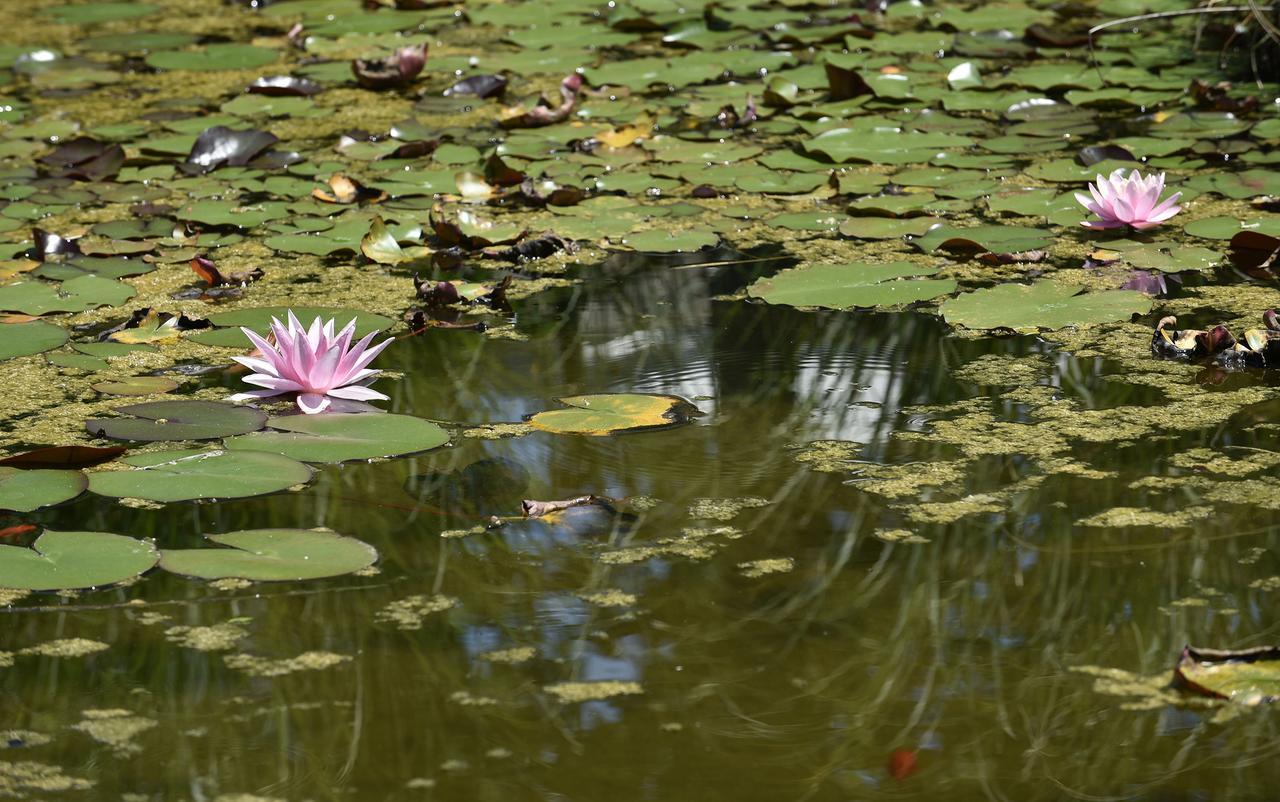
(1133, 201)
(312, 362)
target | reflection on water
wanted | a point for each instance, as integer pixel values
(796, 684)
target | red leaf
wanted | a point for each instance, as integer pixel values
(207, 270)
(16, 531)
(64, 457)
(902, 763)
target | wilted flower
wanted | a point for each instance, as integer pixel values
(398, 69)
(312, 362)
(1129, 201)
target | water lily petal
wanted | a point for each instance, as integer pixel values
(357, 393)
(311, 403)
(275, 383)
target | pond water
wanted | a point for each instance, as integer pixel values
(883, 551)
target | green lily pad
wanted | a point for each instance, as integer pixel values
(77, 295)
(75, 560)
(776, 183)
(1057, 208)
(108, 350)
(136, 385)
(312, 244)
(1228, 227)
(102, 267)
(272, 555)
(1046, 304)
(882, 145)
(78, 362)
(1251, 676)
(1246, 184)
(887, 227)
(605, 414)
(24, 491)
(338, 437)
(231, 213)
(227, 56)
(100, 12)
(136, 42)
(851, 285)
(1166, 257)
(185, 475)
(178, 420)
(259, 320)
(989, 238)
(662, 241)
(1201, 125)
(1068, 171)
(808, 221)
(24, 339)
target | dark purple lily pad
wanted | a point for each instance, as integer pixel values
(284, 86)
(482, 86)
(86, 159)
(220, 146)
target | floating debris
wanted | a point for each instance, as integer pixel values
(755, 569)
(609, 598)
(116, 728)
(516, 654)
(1119, 517)
(724, 509)
(215, 638)
(24, 779)
(410, 613)
(266, 667)
(900, 536)
(571, 692)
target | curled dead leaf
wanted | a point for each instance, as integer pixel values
(208, 271)
(537, 509)
(397, 70)
(345, 189)
(543, 113)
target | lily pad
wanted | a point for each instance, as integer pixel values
(1251, 676)
(226, 56)
(76, 295)
(83, 362)
(178, 420)
(995, 239)
(136, 385)
(1228, 227)
(74, 560)
(662, 241)
(24, 339)
(338, 437)
(100, 12)
(882, 145)
(259, 320)
(272, 555)
(136, 41)
(887, 227)
(26, 490)
(605, 414)
(1046, 304)
(313, 244)
(186, 475)
(851, 285)
(230, 213)
(1166, 257)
